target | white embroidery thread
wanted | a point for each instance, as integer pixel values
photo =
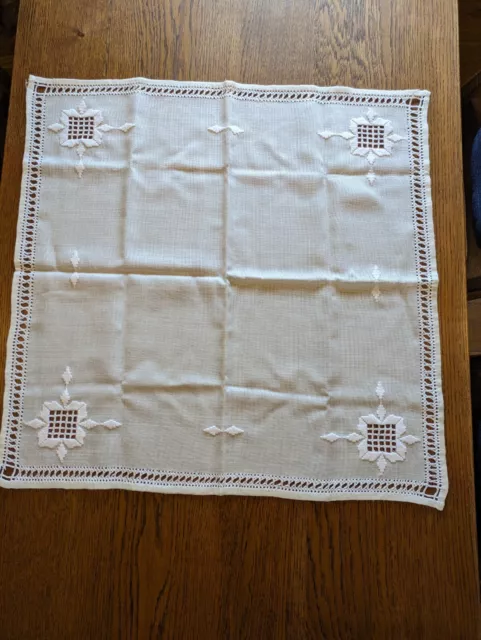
(371, 137)
(75, 260)
(62, 425)
(231, 431)
(376, 291)
(218, 129)
(82, 128)
(381, 438)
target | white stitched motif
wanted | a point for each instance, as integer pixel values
(381, 438)
(218, 129)
(81, 129)
(370, 137)
(75, 260)
(61, 425)
(231, 431)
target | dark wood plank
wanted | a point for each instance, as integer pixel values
(131, 565)
(469, 38)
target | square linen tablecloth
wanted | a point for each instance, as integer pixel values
(225, 288)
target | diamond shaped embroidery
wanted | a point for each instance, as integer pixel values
(231, 431)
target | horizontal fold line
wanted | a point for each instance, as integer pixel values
(280, 394)
(258, 281)
(174, 388)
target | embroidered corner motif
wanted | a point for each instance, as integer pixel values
(61, 426)
(370, 137)
(83, 128)
(381, 438)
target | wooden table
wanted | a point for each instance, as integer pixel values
(95, 565)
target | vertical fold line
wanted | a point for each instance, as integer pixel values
(225, 280)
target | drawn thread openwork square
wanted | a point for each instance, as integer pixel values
(370, 136)
(81, 128)
(62, 423)
(381, 437)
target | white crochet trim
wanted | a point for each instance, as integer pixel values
(430, 491)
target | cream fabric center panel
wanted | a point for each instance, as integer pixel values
(224, 288)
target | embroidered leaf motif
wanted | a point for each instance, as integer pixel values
(126, 127)
(231, 431)
(212, 431)
(65, 397)
(347, 135)
(219, 129)
(236, 130)
(61, 451)
(36, 423)
(409, 439)
(67, 375)
(111, 424)
(331, 437)
(354, 437)
(381, 463)
(89, 424)
(234, 431)
(80, 150)
(56, 127)
(380, 391)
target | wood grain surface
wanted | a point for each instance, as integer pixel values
(112, 564)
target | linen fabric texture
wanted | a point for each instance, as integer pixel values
(225, 289)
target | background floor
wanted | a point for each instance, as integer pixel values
(8, 23)
(469, 38)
